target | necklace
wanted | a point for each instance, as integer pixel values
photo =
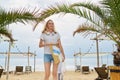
(48, 33)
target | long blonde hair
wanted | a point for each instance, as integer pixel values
(46, 25)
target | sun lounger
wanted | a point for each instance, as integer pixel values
(19, 70)
(77, 68)
(103, 65)
(102, 73)
(28, 69)
(85, 69)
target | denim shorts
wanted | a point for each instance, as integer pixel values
(48, 58)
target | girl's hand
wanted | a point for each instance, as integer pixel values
(63, 59)
(57, 45)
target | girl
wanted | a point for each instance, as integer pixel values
(50, 37)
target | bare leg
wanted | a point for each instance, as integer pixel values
(55, 69)
(47, 70)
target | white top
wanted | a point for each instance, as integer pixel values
(49, 38)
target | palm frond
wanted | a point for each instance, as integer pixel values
(86, 29)
(14, 16)
(67, 9)
(92, 7)
(113, 6)
(5, 32)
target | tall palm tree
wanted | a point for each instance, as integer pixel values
(102, 18)
(13, 16)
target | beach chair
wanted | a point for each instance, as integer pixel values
(102, 73)
(1, 71)
(77, 68)
(19, 70)
(103, 65)
(85, 70)
(28, 69)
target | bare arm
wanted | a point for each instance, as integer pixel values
(41, 43)
(61, 49)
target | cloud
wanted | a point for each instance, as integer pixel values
(17, 3)
(37, 3)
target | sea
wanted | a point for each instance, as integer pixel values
(69, 63)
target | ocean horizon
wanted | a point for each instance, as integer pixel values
(69, 63)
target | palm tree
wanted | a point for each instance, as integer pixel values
(103, 18)
(13, 16)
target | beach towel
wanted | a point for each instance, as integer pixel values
(57, 57)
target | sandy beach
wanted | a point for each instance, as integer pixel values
(68, 75)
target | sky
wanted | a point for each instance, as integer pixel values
(65, 25)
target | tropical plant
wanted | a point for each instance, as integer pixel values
(13, 16)
(103, 18)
